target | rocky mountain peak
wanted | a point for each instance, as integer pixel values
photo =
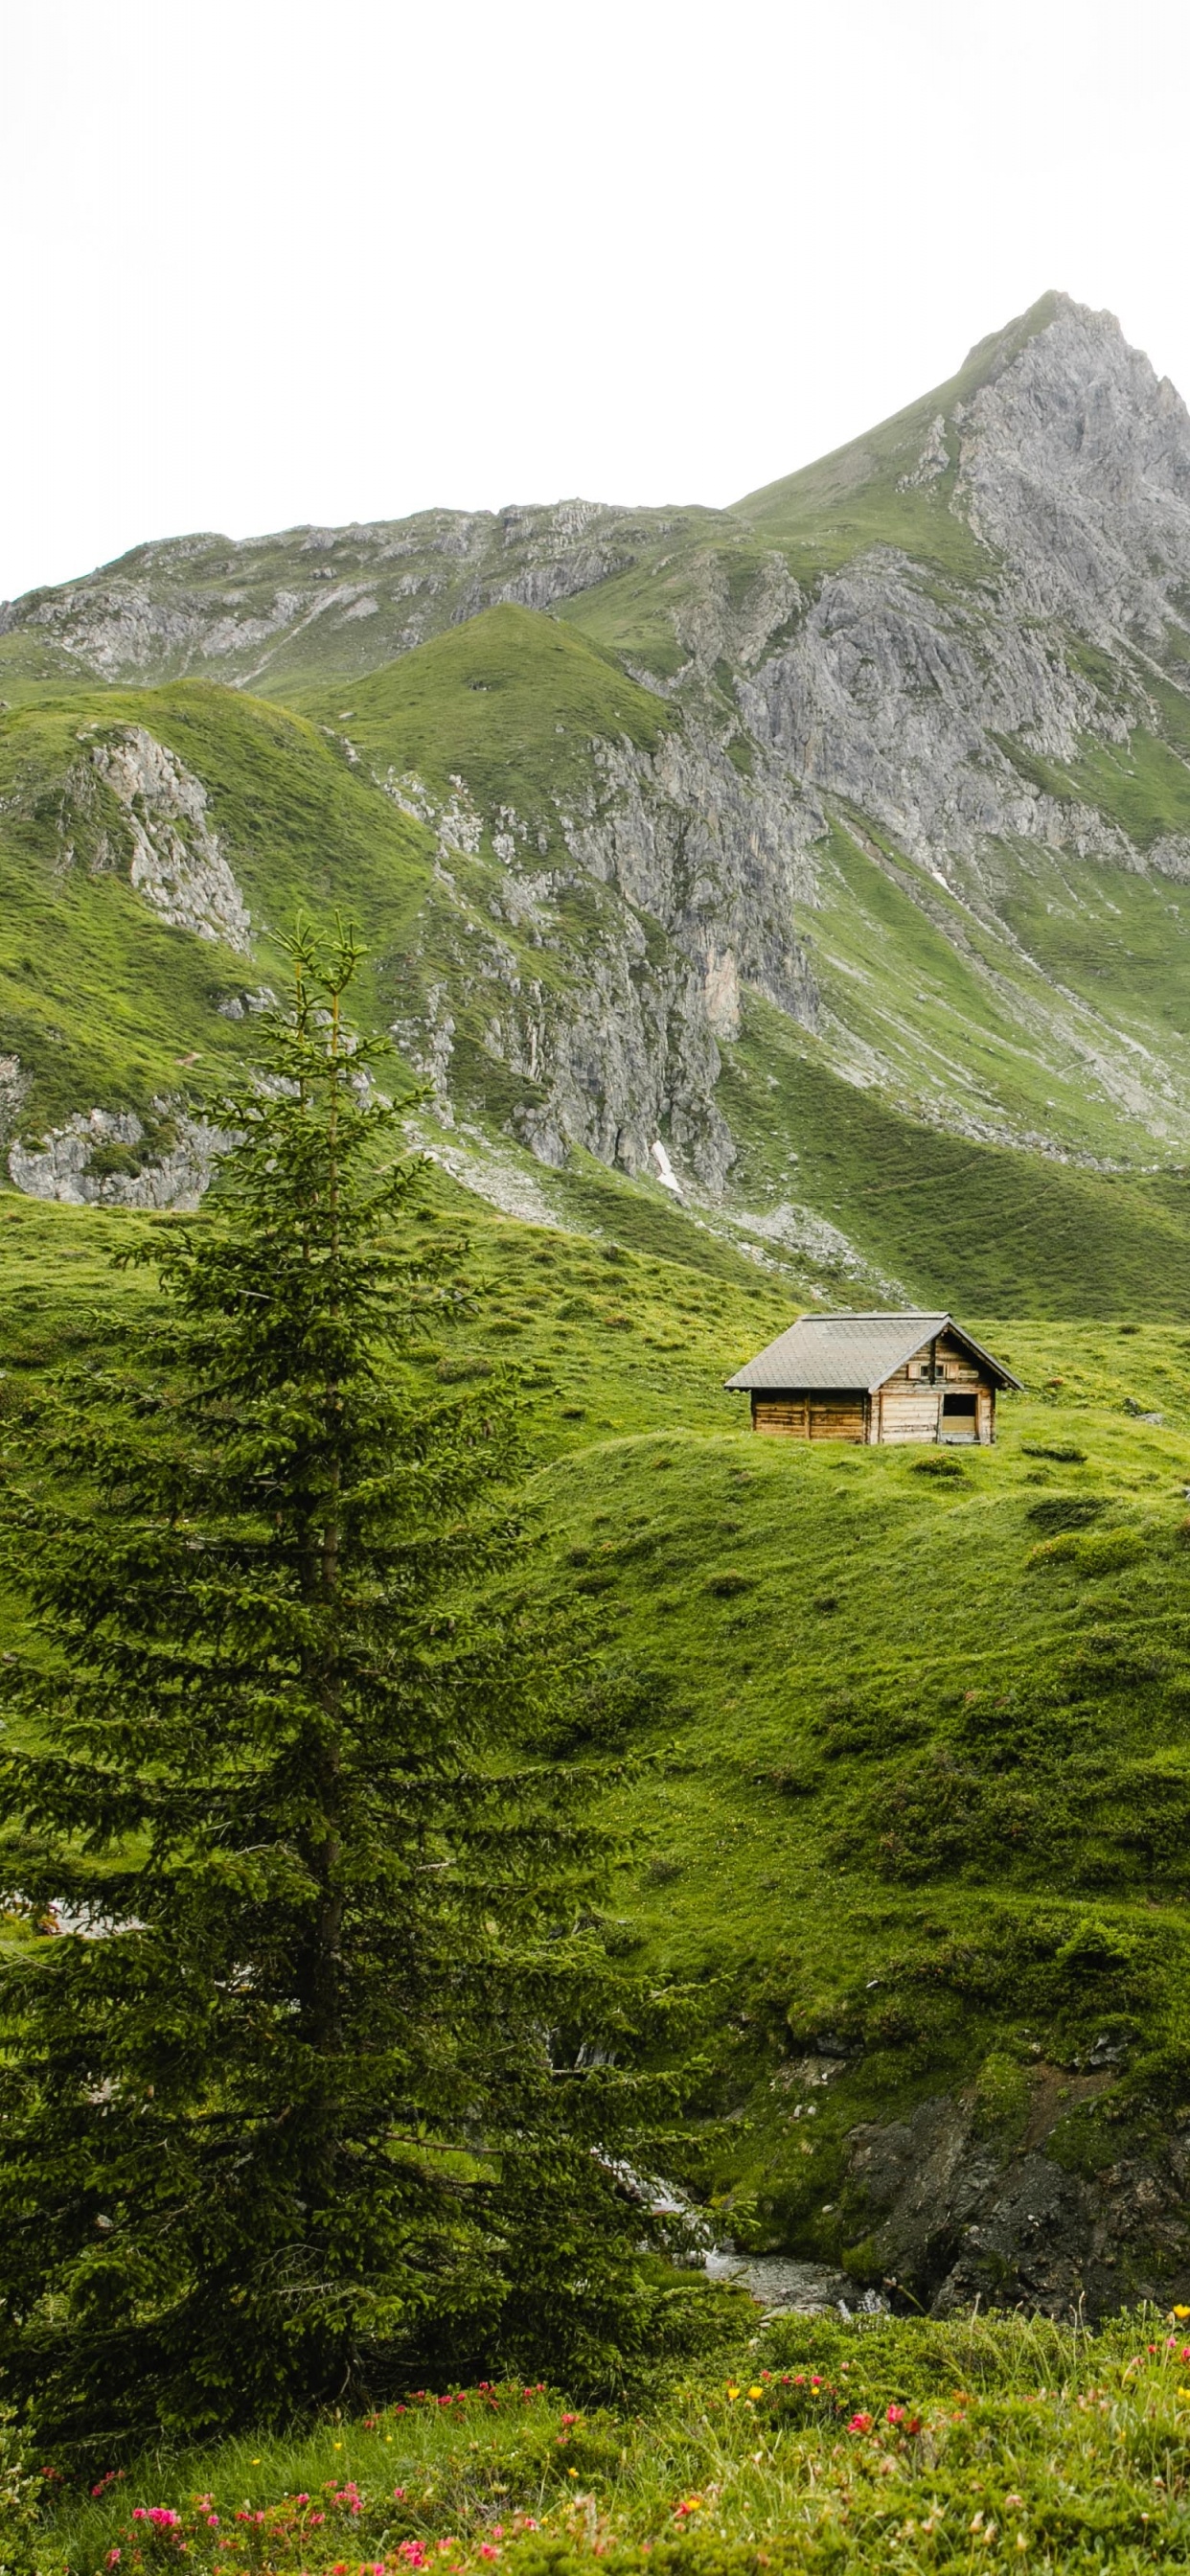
(1074, 464)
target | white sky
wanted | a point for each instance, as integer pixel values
(266, 261)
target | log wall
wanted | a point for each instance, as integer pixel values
(811, 1416)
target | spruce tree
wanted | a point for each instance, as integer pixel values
(324, 2067)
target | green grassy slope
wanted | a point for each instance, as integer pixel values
(917, 1734)
(913, 1722)
(1061, 1013)
(802, 2445)
(104, 1002)
(952, 1219)
(511, 700)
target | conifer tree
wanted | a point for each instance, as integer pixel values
(324, 2066)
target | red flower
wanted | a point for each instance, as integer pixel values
(860, 2424)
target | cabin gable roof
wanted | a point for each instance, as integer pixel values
(855, 1352)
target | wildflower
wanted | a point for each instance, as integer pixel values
(486, 2550)
(733, 2392)
(399, 2494)
(753, 2393)
(1012, 2503)
(894, 2414)
(1184, 2396)
(113, 2558)
(1181, 2314)
(860, 2424)
(570, 2419)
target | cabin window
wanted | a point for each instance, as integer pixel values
(961, 1405)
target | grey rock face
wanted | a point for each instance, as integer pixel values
(956, 2218)
(97, 1161)
(177, 861)
(687, 878)
(1075, 465)
(237, 610)
(895, 700)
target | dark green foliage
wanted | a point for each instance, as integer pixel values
(306, 2017)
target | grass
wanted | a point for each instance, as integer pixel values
(511, 699)
(104, 1003)
(951, 1218)
(807, 2443)
(897, 1726)
(1061, 1014)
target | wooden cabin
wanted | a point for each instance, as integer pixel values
(875, 1378)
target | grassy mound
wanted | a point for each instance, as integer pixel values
(511, 699)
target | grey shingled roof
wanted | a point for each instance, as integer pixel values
(853, 1352)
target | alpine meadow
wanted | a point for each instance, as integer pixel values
(577, 1980)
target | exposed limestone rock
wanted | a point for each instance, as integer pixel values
(178, 863)
(899, 702)
(1075, 464)
(106, 1159)
(14, 1090)
(930, 708)
(627, 1043)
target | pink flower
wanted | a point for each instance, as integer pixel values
(894, 2415)
(398, 2495)
(860, 2424)
(113, 2558)
(570, 2419)
(486, 2550)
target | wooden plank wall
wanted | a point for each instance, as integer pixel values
(908, 1412)
(811, 1417)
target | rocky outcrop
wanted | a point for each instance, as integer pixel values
(956, 2216)
(110, 1159)
(177, 861)
(349, 597)
(902, 703)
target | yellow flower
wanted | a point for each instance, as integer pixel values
(1181, 2314)
(733, 2392)
(756, 2392)
(1184, 2395)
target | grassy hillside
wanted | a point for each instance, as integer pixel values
(918, 1769)
(805, 2444)
(512, 700)
(102, 1000)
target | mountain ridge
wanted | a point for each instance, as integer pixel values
(896, 749)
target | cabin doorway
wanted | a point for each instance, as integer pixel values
(960, 1420)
